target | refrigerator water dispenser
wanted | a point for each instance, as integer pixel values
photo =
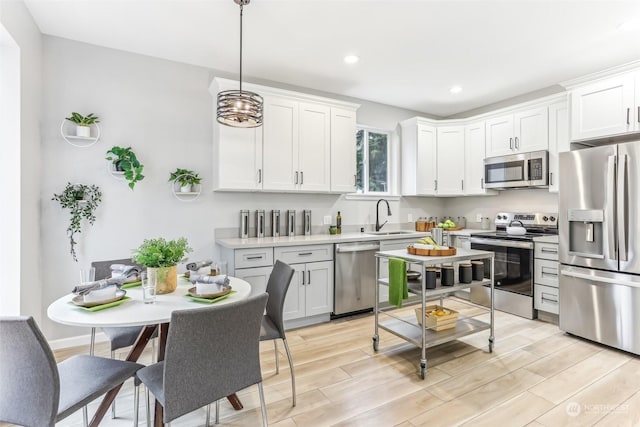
(585, 232)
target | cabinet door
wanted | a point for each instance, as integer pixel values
(257, 278)
(319, 288)
(558, 141)
(531, 130)
(426, 152)
(280, 144)
(314, 153)
(637, 103)
(343, 151)
(294, 302)
(602, 108)
(233, 147)
(500, 136)
(450, 155)
(474, 152)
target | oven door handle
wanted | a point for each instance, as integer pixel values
(503, 243)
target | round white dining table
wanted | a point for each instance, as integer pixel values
(135, 312)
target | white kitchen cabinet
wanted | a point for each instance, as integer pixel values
(605, 108)
(343, 150)
(314, 152)
(280, 144)
(233, 147)
(517, 132)
(450, 160)
(256, 276)
(474, 154)
(546, 275)
(558, 141)
(419, 157)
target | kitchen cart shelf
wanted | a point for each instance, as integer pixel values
(407, 327)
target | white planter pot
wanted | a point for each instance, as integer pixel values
(185, 188)
(84, 131)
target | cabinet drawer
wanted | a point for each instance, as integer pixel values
(546, 299)
(258, 257)
(546, 272)
(546, 251)
(301, 254)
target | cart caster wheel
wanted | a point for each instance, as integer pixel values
(490, 345)
(423, 370)
(375, 343)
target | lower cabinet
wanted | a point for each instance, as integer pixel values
(311, 290)
(546, 295)
(257, 277)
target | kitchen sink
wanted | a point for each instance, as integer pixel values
(389, 233)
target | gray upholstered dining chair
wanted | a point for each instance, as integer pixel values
(272, 322)
(211, 353)
(34, 391)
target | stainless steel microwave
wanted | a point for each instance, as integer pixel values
(525, 170)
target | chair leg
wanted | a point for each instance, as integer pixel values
(208, 415)
(92, 343)
(293, 375)
(275, 347)
(217, 411)
(263, 408)
(146, 398)
(85, 417)
(113, 404)
(136, 404)
(153, 351)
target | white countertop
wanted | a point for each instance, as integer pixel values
(546, 239)
(469, 231)
(318, 239)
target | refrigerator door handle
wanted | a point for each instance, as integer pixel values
(621, 197)
(610, 213)
(600, 279)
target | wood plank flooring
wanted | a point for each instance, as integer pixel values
(536, 376)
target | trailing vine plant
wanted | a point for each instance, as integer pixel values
(82, 201)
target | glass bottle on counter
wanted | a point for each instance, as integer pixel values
(339, 223)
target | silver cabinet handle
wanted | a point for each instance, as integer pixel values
(435, 185)
(517, 145)
(308, 277)
(628, 113)
(303, 278)
(462, 184)
(355, 180)
(551, 300)
(259, 176)
(305, 253)
(301, 177)
(550, 178)
(638, 116)
(296, 181)
(549, 273)
(255, 257)
(511, 143)
(549, 250)
(481, 182)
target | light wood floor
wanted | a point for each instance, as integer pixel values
(536, 376)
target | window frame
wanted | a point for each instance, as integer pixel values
(374, 194)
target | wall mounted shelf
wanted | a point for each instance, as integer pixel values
(67, 130)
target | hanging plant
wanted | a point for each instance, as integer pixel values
(125, 160)
(82, 201)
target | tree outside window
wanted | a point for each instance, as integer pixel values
(372, 161)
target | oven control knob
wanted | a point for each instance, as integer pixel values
(499, 217)
(553, 218)
(545, 219)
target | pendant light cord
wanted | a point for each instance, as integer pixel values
(241, 7)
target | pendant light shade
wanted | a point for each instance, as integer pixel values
(240, 108)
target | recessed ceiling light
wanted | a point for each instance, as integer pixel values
(455, 89)
(351, 59)
(630, 25)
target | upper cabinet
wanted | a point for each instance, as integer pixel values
(558, 140)
(306, 144)
(419, 157)
(474, 154)
(450, 160)
(606, 107)
(517, 132)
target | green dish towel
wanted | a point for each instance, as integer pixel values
(397, 281)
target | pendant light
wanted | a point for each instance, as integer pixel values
(240, 108)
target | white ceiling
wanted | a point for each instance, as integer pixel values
(411, 52)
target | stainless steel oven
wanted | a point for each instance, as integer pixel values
(524, 170)
(514, 261)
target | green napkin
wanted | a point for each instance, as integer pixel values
(131, 284)
(397, 281)
(102, 306)
(208, 300)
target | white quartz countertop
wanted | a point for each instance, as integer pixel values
(546, 239)
(318, 239)
(469, 231)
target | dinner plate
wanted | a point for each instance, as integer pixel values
(413, 275)
(193, 293)
(79, 299)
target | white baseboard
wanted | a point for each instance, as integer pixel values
(76, 341)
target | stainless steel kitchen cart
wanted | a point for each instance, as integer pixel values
(407, 327)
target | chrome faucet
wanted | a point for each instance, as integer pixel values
(378, 226)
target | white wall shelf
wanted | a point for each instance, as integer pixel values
(67, 130)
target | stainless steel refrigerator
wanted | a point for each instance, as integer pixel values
(599, 231)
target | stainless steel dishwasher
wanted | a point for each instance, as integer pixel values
(355, 277)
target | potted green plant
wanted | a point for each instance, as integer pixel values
(81, 201)
(83, 123)
(125, 160)
(185, 178)
(161, 258)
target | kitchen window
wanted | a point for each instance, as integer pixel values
(372, 161)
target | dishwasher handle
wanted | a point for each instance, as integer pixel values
(357, 247)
